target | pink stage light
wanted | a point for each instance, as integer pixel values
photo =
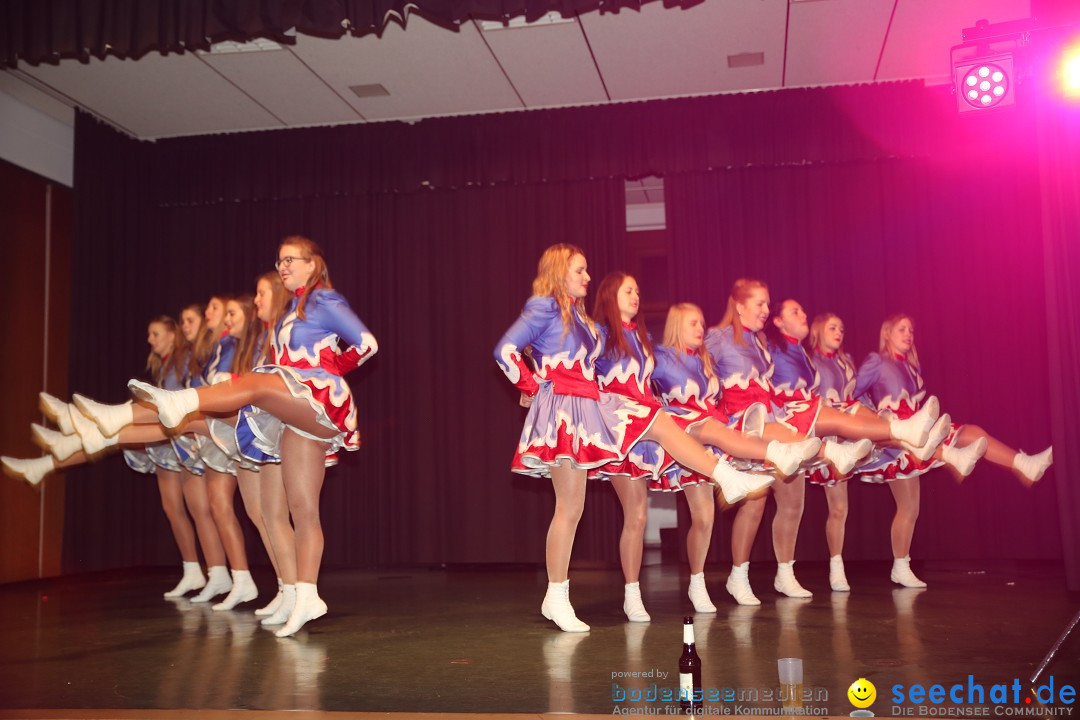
(1070, 72)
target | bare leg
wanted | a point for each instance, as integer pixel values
(303, 468)
(198, 503)
(634, 498)
(266, 391)
(790, 495)
(837, 496)
(172, 502)
(699, 498)
(997, 452)
(735, 443)
(250, 485)
(906, 494)
(222, 489)
(569, 485)
(744, 529)
(686, 451)
(833, 422)
(275, 511)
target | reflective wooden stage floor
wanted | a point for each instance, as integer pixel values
(472, 641)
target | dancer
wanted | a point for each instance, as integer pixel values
(892, 380)
(746, 368)
(302, 401)
(572, 427)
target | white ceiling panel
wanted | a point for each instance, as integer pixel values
(281, 83)
(835, 41)
(923, 31)
(658, 52)
(427, 69)
(548, 64)
(156, 96)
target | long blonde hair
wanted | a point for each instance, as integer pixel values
(550, 280)
(887, 327)
(159, 367)
(817, 330)
(740, 293)
(673, 335)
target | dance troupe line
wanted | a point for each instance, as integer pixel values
(249, 393)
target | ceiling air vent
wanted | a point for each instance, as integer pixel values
(366, 91)
(746, 59)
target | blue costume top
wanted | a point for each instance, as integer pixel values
(794, 383)
(745, 372)
(569, 417)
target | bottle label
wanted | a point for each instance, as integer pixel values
(688, 634)
(686, 686)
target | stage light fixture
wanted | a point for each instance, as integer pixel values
(984, 66)
(1070, 72)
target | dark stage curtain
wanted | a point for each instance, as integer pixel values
(953, 240)
(1059, 142)
(37, 31)
(437, 276)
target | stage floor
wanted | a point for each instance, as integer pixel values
(473, 641)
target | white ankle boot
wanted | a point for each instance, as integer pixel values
(916, 428)
(557, 608)
(737, 485)
(902, 575)
(218, 583)
(837, 578)
(285, 608)
(193, 579)
(1032, 467)
(56, 410)
(938, 433)
(963, 459)
(309, 606)
(786, 584)
(172, 405)
(699, 594)
(271, 607)
(787, 457)
(632, 604)
(243, 590)
(93, 441)
(60, 446)
(845, 455)
(32, 470)
(110, 419)
(738, 585)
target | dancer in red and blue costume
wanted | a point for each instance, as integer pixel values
(572, 427)
(891, 381)
(626, 368)
(301, 408)
(747, 370)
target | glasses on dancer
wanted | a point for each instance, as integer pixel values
(287, 261)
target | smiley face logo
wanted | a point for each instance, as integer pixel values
(862, 693)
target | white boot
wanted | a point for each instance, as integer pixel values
(786, 584)
(557, 607)
(738, 585)
(56, 410)
(964, 458)
(243, 590)
(59, 445)
(93, 441)
(285, 608)
(916, 428)
(787, 457)
(699, 594)
(632, 604)
(172, 405)
(902, 575)
(845, 455)
(32, 470)
(110, 419)
(274, 604)
(309, 606)
(938, 433)
(219, 583)
(837, 578)
(193, 579)
(1032, 467)
(737, 485)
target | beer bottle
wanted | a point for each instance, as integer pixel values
(690, 672)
